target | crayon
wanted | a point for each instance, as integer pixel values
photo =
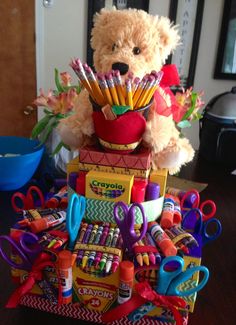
(92, 254)
(116, 258)
(113, 244)
(78, 241)
(151, 242)
(102, 242)
(85, 241)
(151, 255)
(144, 255)
(90, 241)
(104, 257)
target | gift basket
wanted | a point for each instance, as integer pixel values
(115, 244)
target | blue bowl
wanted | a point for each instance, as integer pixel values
(16, 171)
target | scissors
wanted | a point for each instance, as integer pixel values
(193, 222)
(75, 213)
(208, 204)
(27, 249)
(170, 278)
(125, 219)
(21, 202)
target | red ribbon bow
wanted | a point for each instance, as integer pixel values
(34, 275)
(145, 293)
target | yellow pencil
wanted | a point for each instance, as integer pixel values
(94, 85)
(129, 98)
(104, 87)
(119, 88)
(79, 70)
(112, 88)
(143, 98)
(158, 76)
(139, 90)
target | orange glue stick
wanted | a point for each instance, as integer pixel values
(126, 281)
(65, 273)
(49, 221)
(54, 201)
(162, 239)
(167, 216)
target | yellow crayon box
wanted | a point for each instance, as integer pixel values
(108, 186)
(159, 176)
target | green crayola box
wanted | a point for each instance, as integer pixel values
(108, 186)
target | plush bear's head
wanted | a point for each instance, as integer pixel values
(131, 41)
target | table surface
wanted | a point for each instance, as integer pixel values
(215, 304)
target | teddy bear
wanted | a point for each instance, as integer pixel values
(134, 41)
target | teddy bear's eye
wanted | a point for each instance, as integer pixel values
(136, 50)
(114, 46)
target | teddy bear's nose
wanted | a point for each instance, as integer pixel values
(122, 67)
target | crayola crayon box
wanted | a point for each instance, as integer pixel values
(94, 292)
(108, 186)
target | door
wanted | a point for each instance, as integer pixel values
(17, 67)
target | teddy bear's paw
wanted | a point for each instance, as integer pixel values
(178, 153)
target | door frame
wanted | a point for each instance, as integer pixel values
(39, 48)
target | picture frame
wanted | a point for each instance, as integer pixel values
(96, 6)
(188, 15)
(225, 67)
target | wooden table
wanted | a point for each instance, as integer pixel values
(216, 303)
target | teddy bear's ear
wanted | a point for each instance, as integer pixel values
(167, 34)
(101, 21)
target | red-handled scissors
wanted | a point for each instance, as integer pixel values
(20, 201)
(207, 205)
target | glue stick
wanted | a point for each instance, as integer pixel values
(126, 281)
(49, 221)
(54, 201)
(171, 214)
(162, 239)
(65, 273)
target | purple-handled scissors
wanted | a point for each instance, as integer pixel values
(27, 248)
(125, 219)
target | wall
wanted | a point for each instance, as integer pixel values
(62, 31)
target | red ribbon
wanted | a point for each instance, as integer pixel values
(34, 275)
(145, 293)
(170, 76)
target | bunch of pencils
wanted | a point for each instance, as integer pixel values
(108, 88)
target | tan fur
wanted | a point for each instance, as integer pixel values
(157, 38)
